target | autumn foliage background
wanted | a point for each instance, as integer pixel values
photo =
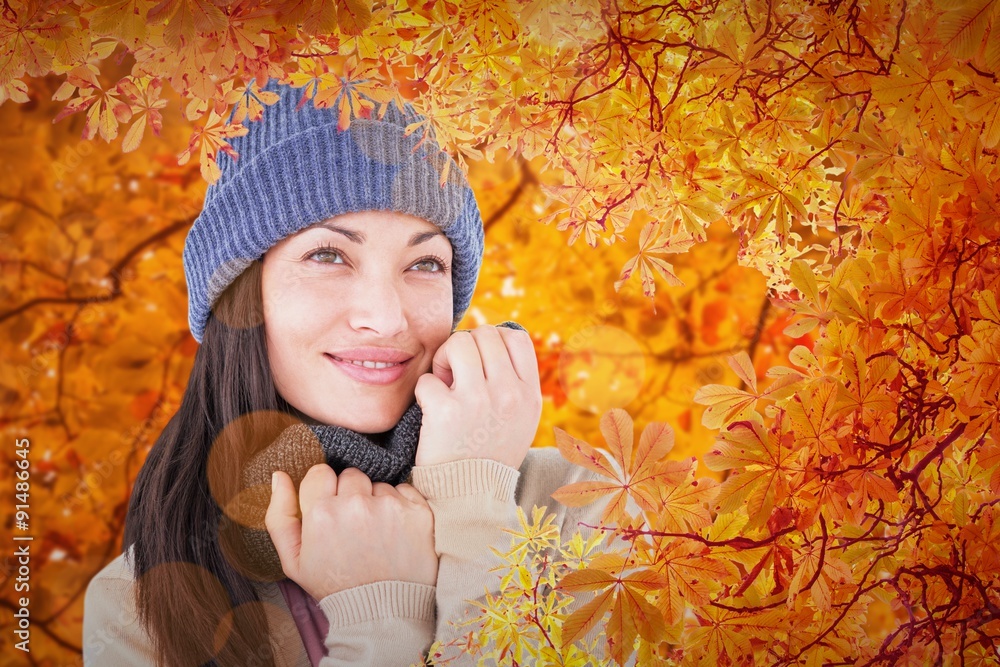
(788, 277)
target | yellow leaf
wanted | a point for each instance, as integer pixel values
(804, 280)
(134, 135)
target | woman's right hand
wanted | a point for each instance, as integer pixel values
(351, 531)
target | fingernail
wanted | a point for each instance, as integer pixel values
(274, 481)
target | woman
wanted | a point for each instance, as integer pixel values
(343, 459)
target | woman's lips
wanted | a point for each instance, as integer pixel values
(371, 375)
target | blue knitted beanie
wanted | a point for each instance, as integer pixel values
(295, 169)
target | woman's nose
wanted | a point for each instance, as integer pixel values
(377, 304)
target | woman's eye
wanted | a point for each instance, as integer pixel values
(329, 255)
(325, 251)
(431, 262)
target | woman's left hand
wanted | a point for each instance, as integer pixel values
(482, 398)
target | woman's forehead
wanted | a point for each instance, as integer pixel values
(360, 225)
(384, 235)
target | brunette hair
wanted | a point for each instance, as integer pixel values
(195, 602)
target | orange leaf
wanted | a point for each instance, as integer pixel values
(582, 454)
(584, 618)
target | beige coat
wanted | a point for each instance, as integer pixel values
(389, 623)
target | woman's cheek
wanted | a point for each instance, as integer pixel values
(310, 301)
(429, 308)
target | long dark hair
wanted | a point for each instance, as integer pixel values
(197, 605)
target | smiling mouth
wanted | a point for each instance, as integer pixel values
(373, 373)
(368, 364)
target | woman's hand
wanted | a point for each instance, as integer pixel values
(482, 398)
(351, 532)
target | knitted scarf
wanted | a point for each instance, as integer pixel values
(298, 448)
(385, 458)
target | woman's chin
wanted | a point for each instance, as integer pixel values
(364, 420)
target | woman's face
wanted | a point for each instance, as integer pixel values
(360, 280)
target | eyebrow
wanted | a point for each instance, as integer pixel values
(359, 238)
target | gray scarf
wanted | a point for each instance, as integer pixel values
(385, 458)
